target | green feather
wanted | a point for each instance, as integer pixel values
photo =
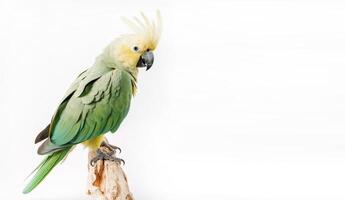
(44, 168)
(99, 108)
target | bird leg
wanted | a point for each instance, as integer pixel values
(106, 144)
(106, 152)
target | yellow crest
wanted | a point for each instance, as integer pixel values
(148, 30)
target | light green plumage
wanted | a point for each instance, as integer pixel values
(96, 103)
(99, 108)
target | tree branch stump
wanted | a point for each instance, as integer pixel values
(107, 181)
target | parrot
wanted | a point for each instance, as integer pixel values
(99, 99)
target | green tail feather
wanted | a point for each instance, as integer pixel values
(44, 168)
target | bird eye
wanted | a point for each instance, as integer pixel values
(136, 49)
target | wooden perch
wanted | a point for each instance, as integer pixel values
(107, 181)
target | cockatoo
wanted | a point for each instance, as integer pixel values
(99, 99)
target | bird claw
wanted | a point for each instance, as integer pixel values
(103, 155)
(111, 147)
(120, 161)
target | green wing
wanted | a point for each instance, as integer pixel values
(44, 134)
(95, 104)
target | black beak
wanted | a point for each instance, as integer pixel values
(146, 60)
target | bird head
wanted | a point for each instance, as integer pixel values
(135, 50)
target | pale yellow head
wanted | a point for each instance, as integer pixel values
(136, 49)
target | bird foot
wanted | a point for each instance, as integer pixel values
(106, 154)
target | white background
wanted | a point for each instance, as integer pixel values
(245, 101)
